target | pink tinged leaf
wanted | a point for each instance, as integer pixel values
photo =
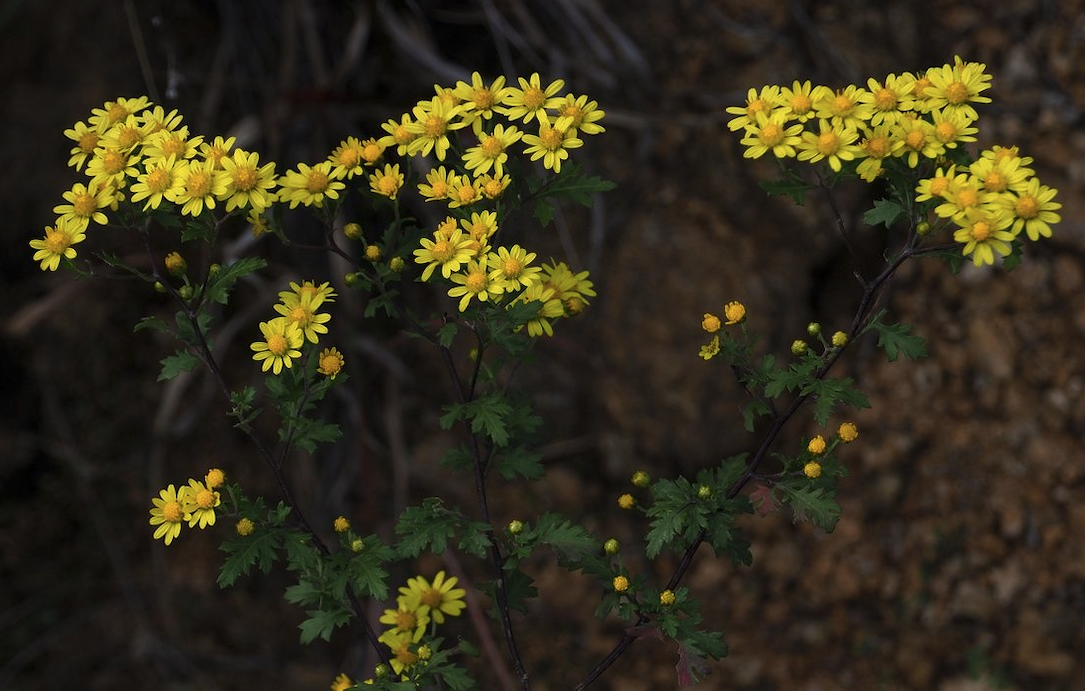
(764, 500)
(691, 667)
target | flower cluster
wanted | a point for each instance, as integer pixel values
(422, 605)
(194, 503)
(136, 152)
(818, 450)
(908, 121)
(734, 312)
(300, 322)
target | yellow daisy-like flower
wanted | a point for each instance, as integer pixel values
(282, 338)
(432, 122)
(166, 143)
(877, 145)
(936, 186)
(116, 111)
(474, 282)
(341, 683)
(309, 185)
(125, 135)
(199, 504)
(300, 309)
(163, 180)
(1000, 174)
(984, 236)
(403, 657)
(400, 135)
(710, 349)
(950, 127)
(168, 513)
(331, 362)
(201, 185)
(510, 266)
(217, 150)
(832, 143)
(550, 307)
(157, 119)
(757, 101)
(341, 524)
(448, 253)
(437, 599)
(711, 323)
(918, 137)
(551, 144)
(889, 98)
(347, 158)
(956, 87)
(248, 184)
(406, 621)
(110, 168)
(85, 204)
(494, 185)
(797, 102)
(963, 193)
(849, 107)
(771, 133)
(578, 114)
(86, 138)
(1032, 209)
(531, 99)
(437, 185)
(244, 527)
(481, 226)
(491, 150)
(387, 182)
(463, 190)
(317, 293)
(57, 244)
(480, 101)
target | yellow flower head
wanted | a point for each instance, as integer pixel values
(848, 432)
(812, 470)
(437, 598)
(735, 312)
(341, 524)
(626, 501)
(621, 584)
(817, 445)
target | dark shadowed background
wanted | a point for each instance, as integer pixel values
(959, 563)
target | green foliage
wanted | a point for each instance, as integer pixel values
(431, 526)
(183, 360)
(885, 212)
(897, 339)
(486, 415)
(220, 283)
(810, 503)
(792, 185)
(570, 184)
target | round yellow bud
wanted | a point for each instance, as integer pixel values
(923, 228)
(798, 347)
(373, 253)
(711, 323)
(516, 527)
(341, 524)
(621, 584)
(813, 328)
(186, 292)
(352, 279)
(611, 546)
(848, 432)
(735, 312)
(641, 479)
(175, 264)
(626, 501)
(840, 339)
(816, 445)
(213, 270)
(704, 492)
(396, 264)
(353, 230)
(214, 478)
(666, 598)
(244, 527)
(812, 470)
(357, 545)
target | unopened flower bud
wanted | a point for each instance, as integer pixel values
(353, 231)
(840, 339)
(611, 546)
(798, 347)
(175, 264)
(516, 527)
(813, 328)
(396, 264)
(641, 479)
(373, 253)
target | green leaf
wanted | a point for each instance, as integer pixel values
(829, 393)
(447, 333)
(793, 186)
(181, 361)
(151, 323)
(366, 568)
(308, 433)
(816, 505)
(572, 543)
(518, 462)
(571, 184)
(322, 622)
(221, 283)
(898, 339)
(884, 212)
(259, 549)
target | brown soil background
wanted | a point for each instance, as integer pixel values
(960, 560)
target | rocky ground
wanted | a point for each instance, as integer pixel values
(959, 563)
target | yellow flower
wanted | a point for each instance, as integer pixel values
(817, 445)
(711, 323)
(57, 244)
(301, 309)
(510, 266)
(168, 513)
(85, 204)
(438, 184)
(347, 158)
(833, 143)
(579, 115)
(955, 87)
(667, 598)
(341, 683)
(309, 185)
(984, 236)
(812, 470)
(248, 184)
(405, 621)
(201, 184)
(199, 504)
(710, 349)
(846, 108)
(848, 432)
(387, 182)
(1032, 209)
(214, 478)
(282, 338)
(770, 132)
(839, 339)
(735, 312)
(551, 144)
(478, 100)
(438, 599)
(621, 584)
(626, 501)
(491, 150)
(433, 120)
(757, 101)
(448, 253)
(244, 527)
(475, 282)
(531, 100)
(341, 524)
(331, 362)
(175, 263)
(399, 134)
(86, 140)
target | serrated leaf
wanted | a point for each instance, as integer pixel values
(884, 212)
(259, 549)
(322, 622)
(792, 186)
(829, 393)
(898, 339)
(220, 284)
(446, 334)
(181, 361)
(808, 503)
(151, 323)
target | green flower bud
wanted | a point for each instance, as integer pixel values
(516, 527)
(352, 230)
(611, 546)
(813, 328)
(798, 347)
